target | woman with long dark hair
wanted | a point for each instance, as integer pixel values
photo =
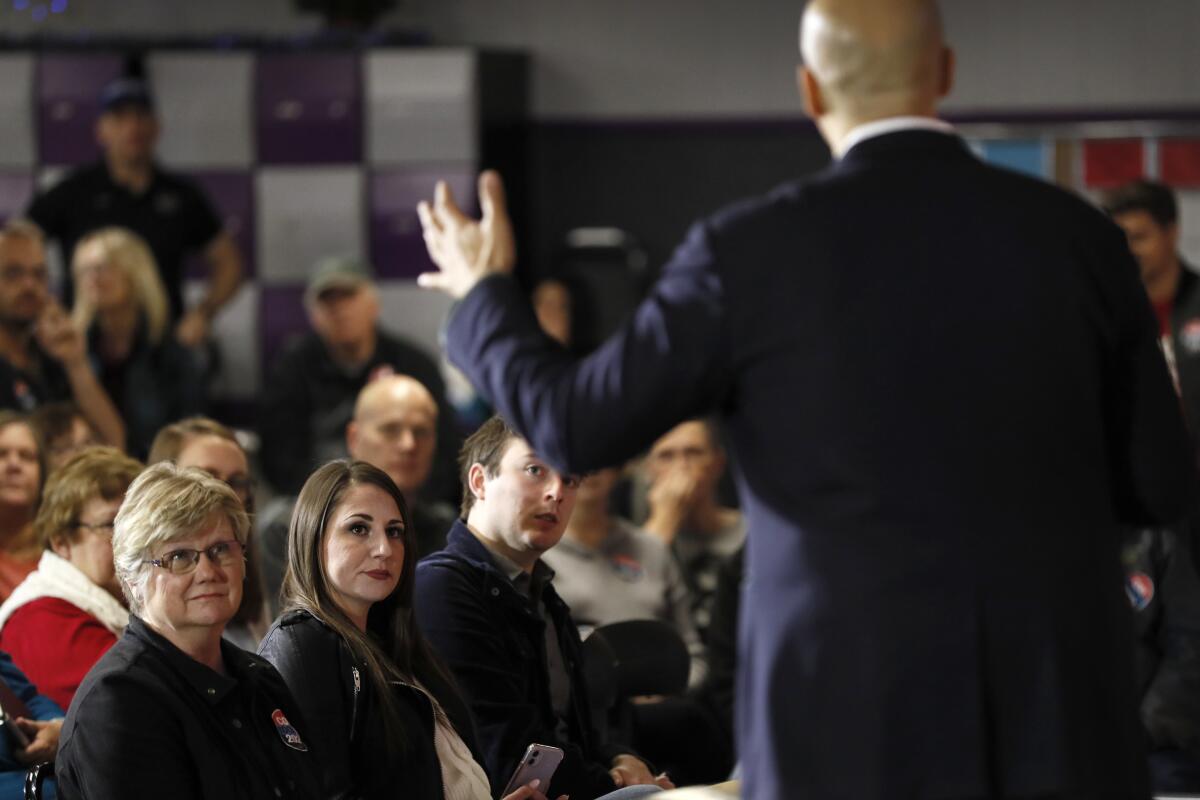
(383, 713)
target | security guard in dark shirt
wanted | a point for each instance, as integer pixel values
(128, 189)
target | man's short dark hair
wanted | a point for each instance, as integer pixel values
(54, 421)
(485, 447)
(1155, 199)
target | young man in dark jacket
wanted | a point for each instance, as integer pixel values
(488, 607)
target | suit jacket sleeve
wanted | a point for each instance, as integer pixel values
(311, 663)
(453, 618)
(666, 364)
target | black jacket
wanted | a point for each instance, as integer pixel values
(495, 645)
(1164, 591)
(1185, 344)
(154, 386)
(347, 727)
(150, 721)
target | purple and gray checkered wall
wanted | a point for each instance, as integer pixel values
(304, 155)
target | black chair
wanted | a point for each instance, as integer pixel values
(627, 660)
(35, 778)
(649, 657)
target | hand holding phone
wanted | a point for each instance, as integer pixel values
(16, 737)
(540, 761)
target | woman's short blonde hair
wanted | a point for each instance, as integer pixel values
(103, 472)
(163, 504)
(125, 250)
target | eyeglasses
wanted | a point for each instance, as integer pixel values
(183, 561)
(102, 528)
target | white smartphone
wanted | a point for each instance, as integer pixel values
(539, 761)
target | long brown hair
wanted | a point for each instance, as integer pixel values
(392, 647)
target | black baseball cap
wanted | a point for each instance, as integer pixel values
(124, 92)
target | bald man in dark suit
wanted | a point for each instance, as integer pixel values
(943, 388)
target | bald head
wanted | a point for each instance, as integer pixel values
(393, 390)
(394, 428)
(869, 60)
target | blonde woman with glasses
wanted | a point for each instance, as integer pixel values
(173, 709)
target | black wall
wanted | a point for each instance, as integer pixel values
(651, 180)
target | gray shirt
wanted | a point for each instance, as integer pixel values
(631, 575)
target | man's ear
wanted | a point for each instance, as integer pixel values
(810, 93)
(476, 478)
(351, 438)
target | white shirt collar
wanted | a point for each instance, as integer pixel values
(879, 127)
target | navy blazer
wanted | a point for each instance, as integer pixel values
(943, 387)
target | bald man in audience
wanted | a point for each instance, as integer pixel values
(395, 429)
(943, 388)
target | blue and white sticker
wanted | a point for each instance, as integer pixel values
(627, 568)
(1140, 590)
(290, 736)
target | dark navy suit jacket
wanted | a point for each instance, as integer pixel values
(943, 387)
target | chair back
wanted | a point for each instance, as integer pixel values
(649, 657)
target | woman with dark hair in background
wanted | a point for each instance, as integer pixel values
(208, 445)
(22, 470)
(381, 710)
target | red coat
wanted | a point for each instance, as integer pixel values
(55, 643)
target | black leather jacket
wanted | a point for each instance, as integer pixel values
(337, 700)
(1164, 591)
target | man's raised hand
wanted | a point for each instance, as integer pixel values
(467, 250)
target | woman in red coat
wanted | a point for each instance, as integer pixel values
(74, 590)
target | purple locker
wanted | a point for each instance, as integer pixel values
(15, 191)
(232, 193)
(397, 248)
(308, 109)
(68, 94)
(281, 315)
